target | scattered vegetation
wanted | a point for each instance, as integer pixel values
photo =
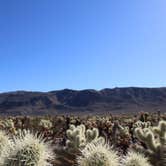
(128, 140)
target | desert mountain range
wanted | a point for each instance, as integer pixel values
(116, 100)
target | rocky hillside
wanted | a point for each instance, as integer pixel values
(117, 100)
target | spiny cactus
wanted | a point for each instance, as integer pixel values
(93, 135)
(29, 150)
(9, 123)
(155, 140)
(76, 137)
(5, 146)
(124, 131)
(118, 131)
(98, 154)
(47, 124)
(142, 124)
(4, 141)
(144, 116)
(135, 159)
(115, 129)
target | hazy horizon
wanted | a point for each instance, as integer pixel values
(23, 90)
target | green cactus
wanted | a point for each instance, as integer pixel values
(155, 140)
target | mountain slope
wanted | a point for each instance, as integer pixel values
(117, 100)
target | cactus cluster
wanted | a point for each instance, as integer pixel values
(155, 140)
(78, 137)
(118, 132)
(101, 154)
(93, 135)
(142, 124)
(98, 153)
(89, 141)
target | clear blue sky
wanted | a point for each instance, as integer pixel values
(79, 44)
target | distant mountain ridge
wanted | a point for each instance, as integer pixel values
(116, 100)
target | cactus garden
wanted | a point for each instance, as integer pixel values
(110, 140)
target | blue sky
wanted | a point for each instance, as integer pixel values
(79, 44)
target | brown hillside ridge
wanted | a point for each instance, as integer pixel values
(117, 100)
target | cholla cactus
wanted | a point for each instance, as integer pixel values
(135, 159)
(118, 131)
(8, 123)
(29, 150)
(47, 124)
(142, 124)
(124, 131)
(93, 135)
(4, 141)
(98, 154)
(155, 140)
(5, 146)
(76, 137)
